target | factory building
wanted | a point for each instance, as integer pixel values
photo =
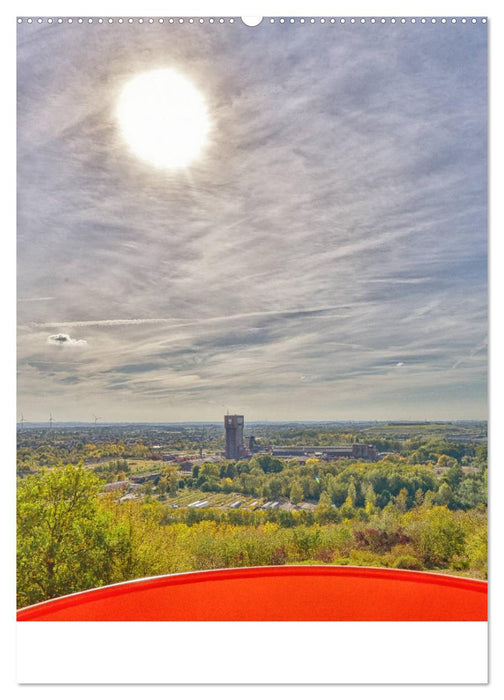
(355, 451)
(235, 448)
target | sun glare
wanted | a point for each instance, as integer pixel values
(163, 118)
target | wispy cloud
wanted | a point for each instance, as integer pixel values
(35, 299)
(326, 258)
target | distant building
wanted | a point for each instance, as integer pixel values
(253, 445)
(235, 448)
(355, 451)
(233, 425)
(360, 450)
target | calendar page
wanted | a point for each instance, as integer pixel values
(252, 345)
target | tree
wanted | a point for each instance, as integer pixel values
(244, 466)
(209, 477)
(428, 500)
(351, 498)
(347, 510)
(230, 470)
(324, 510)
(173, 483)
(162, 485)
(370, 496)
(444, 496)
(455, 475)
(66, 542)
(441, 538)
(477, 549)
(419, 497)
(227, 485)
(370, 500)
(444, 461)
(275, 486)
(480, 457)
(401, 500)
(338, 491)
(383, 498)
(325, 500)
(268, 463)
(209, 471)
(470, 493)
(296, 492)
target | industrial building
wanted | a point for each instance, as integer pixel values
(355, 451)
(235, 448)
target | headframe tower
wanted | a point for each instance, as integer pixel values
(233, 426)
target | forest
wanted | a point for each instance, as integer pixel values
(83, 525)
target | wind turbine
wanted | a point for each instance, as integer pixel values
(21, 420)
(96, 419)
(51, 420)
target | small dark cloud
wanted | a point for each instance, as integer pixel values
(70, 380)
(64, 340)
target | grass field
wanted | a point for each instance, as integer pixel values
(146, 466)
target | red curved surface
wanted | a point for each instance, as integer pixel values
(295, 593)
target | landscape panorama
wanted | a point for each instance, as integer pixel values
(252, 297)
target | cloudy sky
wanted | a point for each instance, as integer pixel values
(324, 258)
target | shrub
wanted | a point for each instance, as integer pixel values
(460, 564)
(442, 537)
(407, 561)
(359, 557)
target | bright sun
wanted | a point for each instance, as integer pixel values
(163, 118)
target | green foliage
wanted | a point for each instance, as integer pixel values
(338, 491)
(358, 557)
(471, 493)
(455, 475)
(395, 512)
(296, 492)
(401, 500)
(444, 496)
(477, 549)
(352, 494)
(407, 561)
(66, 542)
(441, 537)
(370, 497)
(267, 463)
(324, 501)
(419, 498)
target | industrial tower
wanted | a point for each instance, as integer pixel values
(233, 426)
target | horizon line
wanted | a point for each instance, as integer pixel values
(258, 420)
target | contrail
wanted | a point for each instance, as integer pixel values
(179, 322)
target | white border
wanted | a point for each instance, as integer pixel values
(226, 8)
(278, 652)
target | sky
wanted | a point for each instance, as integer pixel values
(324, 259)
